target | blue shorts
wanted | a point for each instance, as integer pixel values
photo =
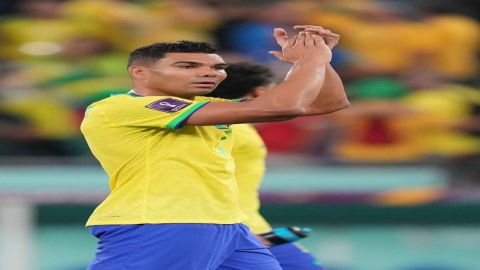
(292, 257)
(179, 247)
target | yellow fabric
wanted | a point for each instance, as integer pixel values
(398, 46)
(19, 31)
(442, 109)
(463, 35)
(79, 89)
(384, 45)
(49, 117)
(119, 20)
(161, 21)
(249, 154)
(159, 174)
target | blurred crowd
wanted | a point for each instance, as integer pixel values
(410, 69)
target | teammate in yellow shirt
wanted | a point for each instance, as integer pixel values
(174, 200)
(247, 80)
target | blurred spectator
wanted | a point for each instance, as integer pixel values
(377, 128)
(247, 28)
(392, 37)
(32, 123)
(444, 108)
(39, 30)
(128, 25)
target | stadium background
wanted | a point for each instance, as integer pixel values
(392, 183)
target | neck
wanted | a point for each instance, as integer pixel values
(143, 91)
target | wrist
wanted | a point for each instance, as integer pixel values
(311, 62)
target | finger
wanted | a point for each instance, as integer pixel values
(280, 36)
(291, 42)
(318, 39)
(301, 38)
(277, 54)
(331, 36)
(307, 26)
(321, 31)
(325, 31)
(316, 30)
(309, 41)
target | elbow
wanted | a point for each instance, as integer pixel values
(340, 105)
(345, 103)
(330, 108)
(294, 111)
(283, 112)
(279, 110)
(290, 111)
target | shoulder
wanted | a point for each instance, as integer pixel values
(114, 99)
(153, 101)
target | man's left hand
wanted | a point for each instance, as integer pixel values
(331, 39)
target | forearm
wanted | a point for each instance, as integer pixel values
(301, 85)
(331, 97)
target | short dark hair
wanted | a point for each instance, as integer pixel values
(242, 78)
(151, 53)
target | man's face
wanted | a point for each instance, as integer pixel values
(183, 74)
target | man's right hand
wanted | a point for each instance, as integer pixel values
(305, 47)
(330, 38)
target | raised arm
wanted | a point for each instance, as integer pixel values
(332, 96)
(291, 98)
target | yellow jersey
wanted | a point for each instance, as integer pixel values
(159, 170)
(249, 153)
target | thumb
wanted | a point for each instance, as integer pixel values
(280, 36)
(277, 54)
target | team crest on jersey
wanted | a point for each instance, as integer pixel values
(168, 105)
(225, 128)
(222, 126)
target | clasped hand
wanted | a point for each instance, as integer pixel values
(312, 43)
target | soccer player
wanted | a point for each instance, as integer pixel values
(248, 81)
(174, 200)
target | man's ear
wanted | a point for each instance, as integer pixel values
(137, 72)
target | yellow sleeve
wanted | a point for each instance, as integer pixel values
(151, 111)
